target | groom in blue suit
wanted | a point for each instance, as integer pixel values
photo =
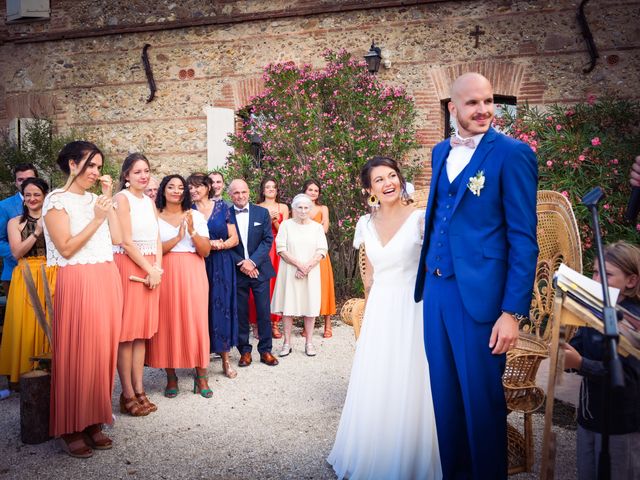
(9, 208)
(476, 275)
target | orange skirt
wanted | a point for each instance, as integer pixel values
(141, 304)
(86, 332)
(328, 295)
(182, 340)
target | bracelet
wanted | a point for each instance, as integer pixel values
(192, 233)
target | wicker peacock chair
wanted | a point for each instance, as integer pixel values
(559, 242)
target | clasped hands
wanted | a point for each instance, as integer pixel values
(303, 269)
(153, 277)
(248, 268)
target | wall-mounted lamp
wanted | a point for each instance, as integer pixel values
(373, 58)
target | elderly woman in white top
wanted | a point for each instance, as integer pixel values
(139, 256)
(301, 244)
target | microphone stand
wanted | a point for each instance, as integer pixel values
(612, 361)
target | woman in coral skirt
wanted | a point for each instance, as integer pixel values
(23, 337)
(182, 340)
(80, 228)
(140, 256)
(320, 214)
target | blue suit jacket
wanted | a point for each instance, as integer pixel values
(260, 239)
(9, 208)
(493, 235)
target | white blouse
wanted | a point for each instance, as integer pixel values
(144, 225)
(79, 208)
(168, 231)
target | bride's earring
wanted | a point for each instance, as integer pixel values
(373, 201)
(127, 184)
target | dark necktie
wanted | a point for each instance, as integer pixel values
(241, 210)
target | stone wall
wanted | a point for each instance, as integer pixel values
(83, 67)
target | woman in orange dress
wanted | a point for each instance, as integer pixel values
(320, 214)
(269, 198)
(80, 228)
(139, 255)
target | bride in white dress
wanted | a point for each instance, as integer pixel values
(387, 429)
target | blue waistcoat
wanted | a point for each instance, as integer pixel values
(439, 253)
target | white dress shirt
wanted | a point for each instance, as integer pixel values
(459, 157)
(242, 220)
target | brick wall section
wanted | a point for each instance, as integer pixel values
(531, 50)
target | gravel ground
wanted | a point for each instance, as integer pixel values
(270, 422)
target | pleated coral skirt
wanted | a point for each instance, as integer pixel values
(141, 304)
(182, 340)
(328, 296)
(22, 336)
(86, 332)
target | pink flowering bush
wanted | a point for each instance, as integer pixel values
(580, 147)
(325, 124)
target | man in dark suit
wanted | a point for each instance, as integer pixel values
(9, 208)
(254, 271)
(476, 275)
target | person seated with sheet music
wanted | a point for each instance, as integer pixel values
(585, 355)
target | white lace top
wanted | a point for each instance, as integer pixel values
(168, 231)
(144, 225)
(79, 208)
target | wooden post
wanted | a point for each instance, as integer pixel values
(35, 395)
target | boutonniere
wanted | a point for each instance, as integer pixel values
(476, 183)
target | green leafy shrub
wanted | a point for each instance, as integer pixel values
(324, 124)
(582, 146)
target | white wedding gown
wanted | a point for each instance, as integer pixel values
(387, 429)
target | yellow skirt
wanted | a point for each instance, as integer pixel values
(22, 336)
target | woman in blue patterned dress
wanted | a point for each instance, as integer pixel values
(221, 270)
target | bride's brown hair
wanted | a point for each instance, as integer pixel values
(365, 174)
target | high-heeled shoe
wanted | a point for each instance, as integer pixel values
(173, 391)
(286, 350)
(145, 402)
(327, 328)
(275, 332)
(132, 407)
(205, 392)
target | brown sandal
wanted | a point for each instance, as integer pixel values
(96, 439)
(75, 446)
(132, 407)
(327, 328)
(145, 402)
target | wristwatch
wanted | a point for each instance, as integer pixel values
(517, 316)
